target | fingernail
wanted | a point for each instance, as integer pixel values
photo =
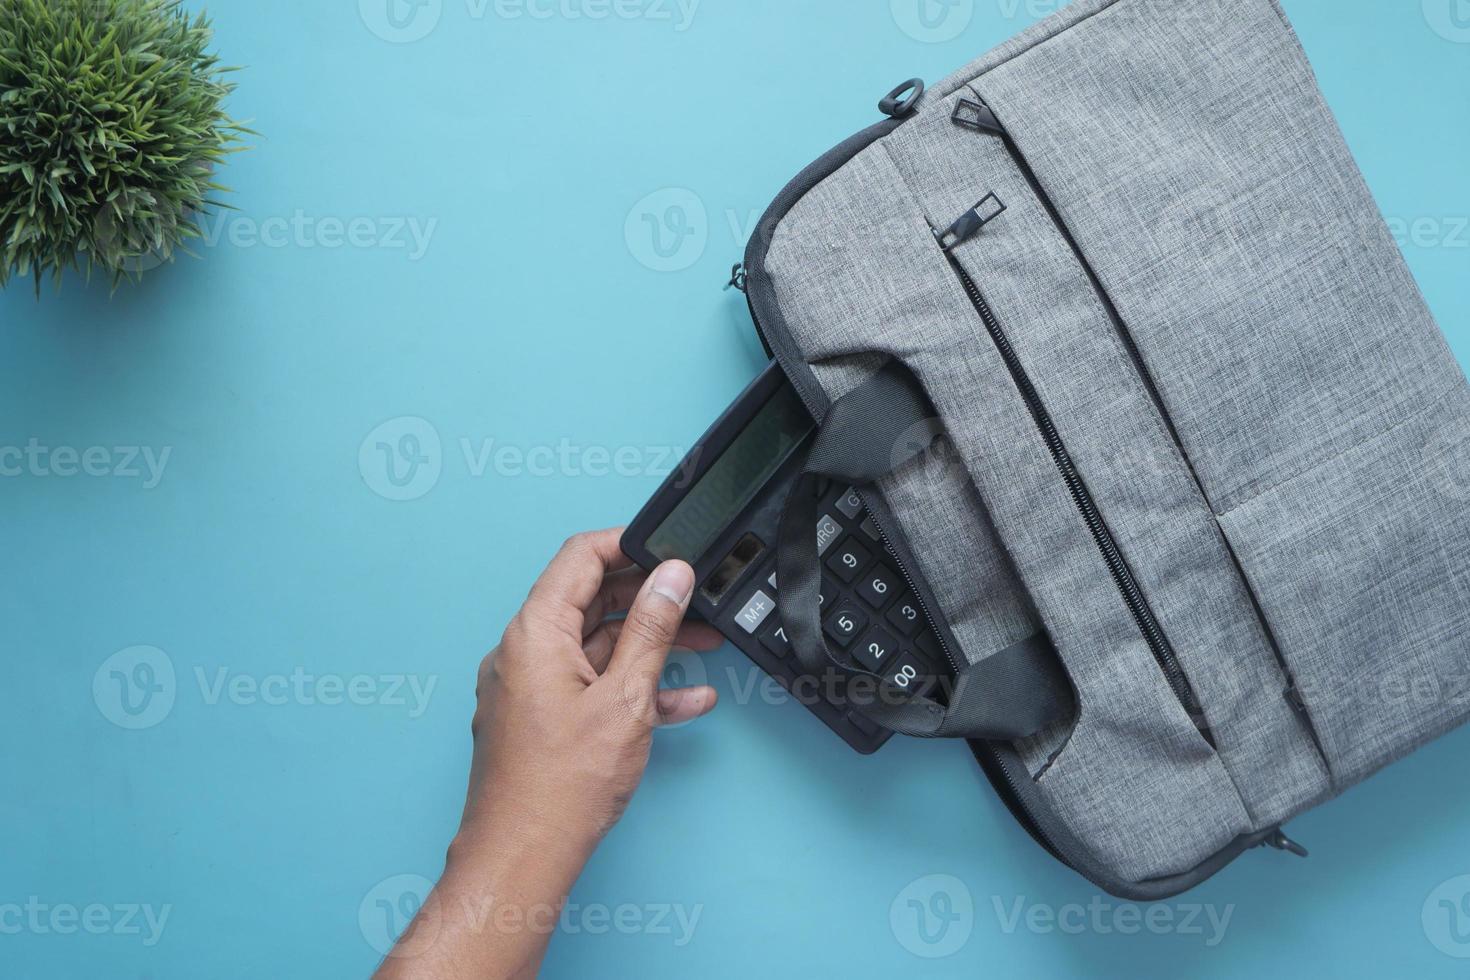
(674, 580)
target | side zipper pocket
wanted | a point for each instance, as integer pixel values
(969, 224)
(976, 115)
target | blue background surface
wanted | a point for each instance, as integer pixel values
(541, 314)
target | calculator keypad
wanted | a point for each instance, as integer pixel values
(773, 638)
(850, 504)
(874, 650)
(869, 615)
(828, 531)
(878, 587)
(844, 623)
(905, 617)
(757, 608)
(849, 560)
(909, 675)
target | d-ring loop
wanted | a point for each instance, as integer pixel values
(898, 108)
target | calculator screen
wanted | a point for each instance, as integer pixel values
(719, 496)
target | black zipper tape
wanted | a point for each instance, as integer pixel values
(1133, 598)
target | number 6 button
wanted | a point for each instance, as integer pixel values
(877, 587)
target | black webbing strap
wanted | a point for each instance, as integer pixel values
(867, 434)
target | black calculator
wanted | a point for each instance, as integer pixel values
(720, 511)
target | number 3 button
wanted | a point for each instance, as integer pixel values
(905, 616)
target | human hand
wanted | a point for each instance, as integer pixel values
(569, 700)
(567, 707)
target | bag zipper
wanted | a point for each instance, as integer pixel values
(975, 114)
(1112, 556)
(779, 347)
(1008, 787)
(978, 116)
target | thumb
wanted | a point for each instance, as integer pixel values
(652, 624)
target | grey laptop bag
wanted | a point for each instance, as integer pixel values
(1163, 433)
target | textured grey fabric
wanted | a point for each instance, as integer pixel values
(1073, 354)
(857, 270)
(1311, 518)
(1361, 568)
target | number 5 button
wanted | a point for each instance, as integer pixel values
(843, 625)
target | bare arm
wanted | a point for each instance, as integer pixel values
(567, 706)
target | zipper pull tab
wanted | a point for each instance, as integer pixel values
(1281, 842)
(737, 278)
(969, 224)
(977, 116)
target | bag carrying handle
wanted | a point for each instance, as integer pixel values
(1009, 695)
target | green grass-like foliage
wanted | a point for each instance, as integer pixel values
(111, 127)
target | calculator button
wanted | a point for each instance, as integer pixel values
(928, 643)
(757, 608)
(909, 675)
(772, 581)
(849, 560)
(774, 638)
(844, 625)
(874, 650)
(878, 587)
(829, 589)
(905, 616)
(871, 530)
(828, 531)
(850, 504)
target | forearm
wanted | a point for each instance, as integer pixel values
(494, 909)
